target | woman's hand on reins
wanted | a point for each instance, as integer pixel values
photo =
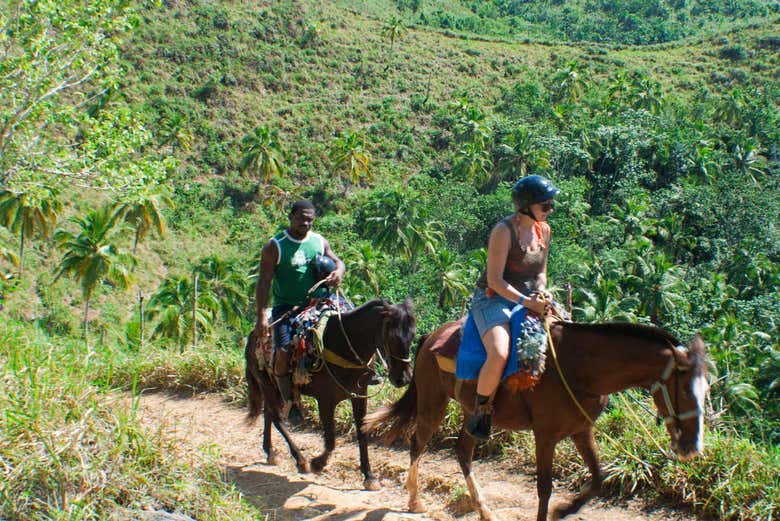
(536, 303)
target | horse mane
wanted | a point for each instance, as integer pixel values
(398, 311)
(377, 302)
(642, 331)
(696, 357)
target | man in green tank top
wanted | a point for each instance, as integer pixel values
(286, 275)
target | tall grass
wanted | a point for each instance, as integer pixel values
(72, 449)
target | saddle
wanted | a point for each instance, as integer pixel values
(529, 341)
(307, 345)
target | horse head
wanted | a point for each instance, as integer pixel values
(398, 330)
(679, 396)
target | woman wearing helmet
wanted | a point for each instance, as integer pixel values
(516, 273)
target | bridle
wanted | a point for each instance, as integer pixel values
(380, 346)
(672, 417)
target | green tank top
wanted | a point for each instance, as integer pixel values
(294, 274)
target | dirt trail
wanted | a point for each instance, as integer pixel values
(337, 494)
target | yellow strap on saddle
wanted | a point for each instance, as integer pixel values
(333, 358)
(318, 332)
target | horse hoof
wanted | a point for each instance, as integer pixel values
(487, 515)
(303, 467)
(417, 507)
(372, 484)
(273, 459)
(317, 464)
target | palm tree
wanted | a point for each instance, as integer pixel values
(451, 279)
(600, 296)
(646, 94)
(701, 162)
(472, 163)
(365, 275)
(568, 83)
(173, 131)
(659, 284)
(618, 90)
(261, 153)
(469, 123)
(225, 285)
(392, 30)
(174, 309)
(348, 153)
(632, 216)
(26, 213)
(747, 158)
(92, 257)
(395, 223)
(143, 211)
(731, 108)
(517, 152)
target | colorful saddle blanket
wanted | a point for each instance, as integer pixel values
(308, 337)
(305, 323)
(526, 360)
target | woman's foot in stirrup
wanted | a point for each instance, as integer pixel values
(479, 425)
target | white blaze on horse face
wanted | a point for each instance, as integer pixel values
(700, 386)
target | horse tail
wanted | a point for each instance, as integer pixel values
(254, 390)
(397, 420)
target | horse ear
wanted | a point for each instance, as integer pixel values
(697, 345)
(682, 358)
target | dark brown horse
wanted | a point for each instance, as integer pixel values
(349, 343)
(596, 360)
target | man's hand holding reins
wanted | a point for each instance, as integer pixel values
(333, 280)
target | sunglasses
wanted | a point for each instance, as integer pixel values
(547, 207)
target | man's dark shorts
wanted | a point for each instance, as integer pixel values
(283, 330)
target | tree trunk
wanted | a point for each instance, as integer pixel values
(21, 250)
(141, 317)
(86, 323)
(195, 311)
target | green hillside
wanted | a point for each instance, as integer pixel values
(405, 122)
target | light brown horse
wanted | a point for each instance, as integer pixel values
(596, 360)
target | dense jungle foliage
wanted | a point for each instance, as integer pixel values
(149, 150)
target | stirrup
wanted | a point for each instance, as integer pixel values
(480, 422)
(479, 426)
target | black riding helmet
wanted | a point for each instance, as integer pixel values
(322, 266)
(533, 189)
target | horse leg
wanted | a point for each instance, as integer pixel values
(465, 452)
(545, 449)
(359, 414)
(267, 431)
(327, 408)
(586, 446)
(431, 409)
(300, 460)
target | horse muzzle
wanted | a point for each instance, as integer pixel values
(401, 378)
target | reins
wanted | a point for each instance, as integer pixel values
(351, 394)
(585, 413)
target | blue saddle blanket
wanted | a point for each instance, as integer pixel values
(472, 354)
